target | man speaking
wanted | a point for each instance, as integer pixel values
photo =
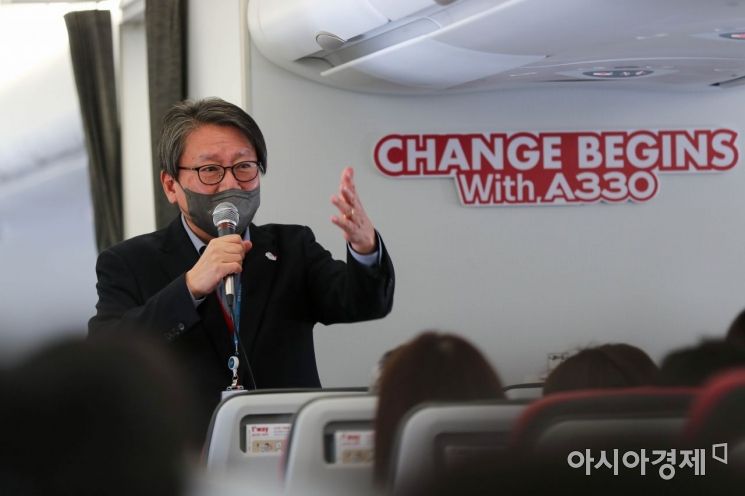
(237, 309)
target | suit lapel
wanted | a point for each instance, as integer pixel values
(179, 253)
(257, 279)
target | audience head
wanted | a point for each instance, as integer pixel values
(94, 417)
(695, 365)
(607, 366)
(374, 387)
(432, 367)
(736, 332)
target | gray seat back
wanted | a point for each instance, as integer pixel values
(248, 432)
(435, 438)
(330, 448)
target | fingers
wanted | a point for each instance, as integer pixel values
(349, 197)
(223, 256)
(232, 243)
(226, 249)
(345, 206)
(348, 204)
(347, 189)
(352, 218)
(349, 224)
(357, 229)
(347, 200)
(344, 225)
(347, 179)
(344, 201)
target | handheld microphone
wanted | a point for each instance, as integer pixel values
(225, 218)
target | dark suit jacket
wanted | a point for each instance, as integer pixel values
(142, 286)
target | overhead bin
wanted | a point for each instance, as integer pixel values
(374, 44)
(420, 46)
(290, 29)
(287, 29)
(398, 9)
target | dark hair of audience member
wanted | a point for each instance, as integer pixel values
(432, 367)
(374, 386)
(92, 417)
(736, 332)
(695, 365)
(615, 365)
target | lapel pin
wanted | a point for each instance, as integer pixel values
(271, 256)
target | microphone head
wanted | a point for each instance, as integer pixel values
(225, 212)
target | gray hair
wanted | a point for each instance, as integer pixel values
(186, 116)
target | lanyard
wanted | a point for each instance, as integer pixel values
(233, 322)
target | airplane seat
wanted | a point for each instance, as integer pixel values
(718, 414)
(248, 432)
(437, 440)
(600, 441)
(602, 418)
(330, 448)
(718, 417)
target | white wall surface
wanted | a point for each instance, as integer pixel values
(137, 184)
(216, 55)
(520, 282)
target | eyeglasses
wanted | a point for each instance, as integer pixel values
(212, 174)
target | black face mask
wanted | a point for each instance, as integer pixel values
(201, 207)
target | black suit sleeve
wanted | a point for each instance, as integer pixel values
(347, 292)
(123, 306)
